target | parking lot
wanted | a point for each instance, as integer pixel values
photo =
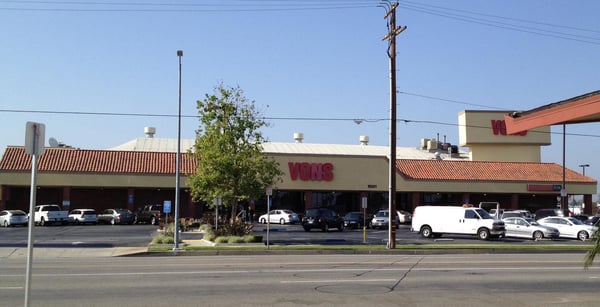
(141, 235)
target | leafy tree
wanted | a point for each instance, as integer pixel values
(228, 150)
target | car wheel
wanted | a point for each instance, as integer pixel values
(326, 227)
(42, 222)
(112, 221)
(5, 224)
(426, 232)
(282, 221)
(263, 221)
(538, 235)
(307, 229)
(583, 235)
(483, 234)
(341, 227)
(153, 220)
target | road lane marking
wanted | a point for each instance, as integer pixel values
(336, 281)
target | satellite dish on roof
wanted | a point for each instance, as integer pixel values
(53, 142)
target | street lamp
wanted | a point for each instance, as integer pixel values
(178, 161)
(583, 166)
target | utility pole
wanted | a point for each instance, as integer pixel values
(391, 37)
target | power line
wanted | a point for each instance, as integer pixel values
(330, 119)
(215, 6)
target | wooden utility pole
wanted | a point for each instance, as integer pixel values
(391, 37)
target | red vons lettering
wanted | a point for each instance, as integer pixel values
(499, 127)
(311, 171)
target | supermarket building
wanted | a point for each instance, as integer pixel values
(498, 167)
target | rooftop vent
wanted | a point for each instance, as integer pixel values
(364, 140)
(149, 132)
(298, 137)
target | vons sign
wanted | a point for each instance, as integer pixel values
(311, 171)
(499, 128)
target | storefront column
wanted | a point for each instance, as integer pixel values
(66, 198)
(130, 199)
(307, 200)
(514, 201)
(587, 201)
(416, 198)
(4, 196)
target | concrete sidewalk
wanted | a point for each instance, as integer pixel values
(59, 252)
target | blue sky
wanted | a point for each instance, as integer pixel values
(310, 66)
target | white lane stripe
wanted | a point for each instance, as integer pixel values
(358, 281)
(11, 288)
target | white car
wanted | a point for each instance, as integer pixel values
(83, 216)
(519, 227)
(13, 218)
(281, 216)
(569, 227)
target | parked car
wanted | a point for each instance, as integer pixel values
(116, 216)
(581, 217)
(516, 213)
(13, 218)
(542, 213)
(519, 227)
(592, 220)
(152, 214)
(322, 218)
(281, 216)
(569, 227)
(83, 216)
(356, 219)
(381, 218)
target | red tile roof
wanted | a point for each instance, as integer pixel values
(486, 171)
(134, 162)
(96, 161)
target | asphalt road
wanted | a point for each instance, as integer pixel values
(306, 280)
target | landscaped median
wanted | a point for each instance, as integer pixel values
(258, 248)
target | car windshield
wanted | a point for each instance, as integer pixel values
(484, 214)
(382, 214)
(352, 215)
(287, 211)
(532, 222)
(575, 221)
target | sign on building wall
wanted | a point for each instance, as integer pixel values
(310, 171)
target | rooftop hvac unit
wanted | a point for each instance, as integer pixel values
(432, 145)
(424, 143)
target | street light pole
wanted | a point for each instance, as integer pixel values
(583, 166)
(178, 161)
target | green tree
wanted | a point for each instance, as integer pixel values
(228, 151)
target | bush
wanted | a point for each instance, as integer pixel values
(234, 228)
(235, 239)
(206, 227)
(163, 239)
(222, 239)
(252, 239)
(209, 236)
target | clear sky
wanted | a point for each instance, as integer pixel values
(97, 72)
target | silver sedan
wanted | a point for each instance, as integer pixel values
(520, 227)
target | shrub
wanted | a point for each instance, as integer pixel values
(222, 239)
(252, 239)
(209, 236)
(234, 228)
(206, 227)
(235, 239)
(163, 239)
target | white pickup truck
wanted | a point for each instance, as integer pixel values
(47, 214)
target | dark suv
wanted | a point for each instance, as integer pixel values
(323, 219)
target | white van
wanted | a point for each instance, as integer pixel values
(433, 221)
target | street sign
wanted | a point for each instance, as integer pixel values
(167, 206)
(269, 191)
(34, 138)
